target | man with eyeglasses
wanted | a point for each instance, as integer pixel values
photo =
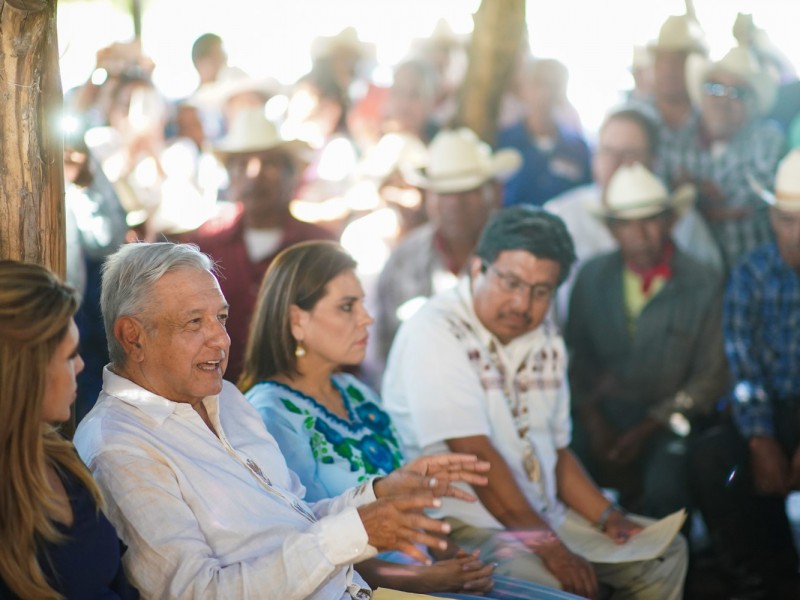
(731, 141)
(645, 341)
(481, 368)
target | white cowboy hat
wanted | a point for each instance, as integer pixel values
(346, 40)
(251, 131)
(231, 82)
(680, 33)
(635, 193)
(741, 63)
(787, 184)
(458, 161)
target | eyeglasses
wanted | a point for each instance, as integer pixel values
(720, 90)
(537, 292)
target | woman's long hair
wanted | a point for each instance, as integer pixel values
(298, 276)
(36, 310)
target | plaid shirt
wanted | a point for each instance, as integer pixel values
(755, 150)
(761, 320)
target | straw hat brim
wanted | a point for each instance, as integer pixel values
(299, 150)
(679, 201)
(771, 198)
(502, 165)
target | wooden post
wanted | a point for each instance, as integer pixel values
(32, 223)
(496, 39)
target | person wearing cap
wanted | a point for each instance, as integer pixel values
(645, 342)
(731, 142)
(627, 135)
(263, 169)
(457, 175)
(481, 366)
(746, 467)
(554, 158)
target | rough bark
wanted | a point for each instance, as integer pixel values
(32, 223)
(496, 39)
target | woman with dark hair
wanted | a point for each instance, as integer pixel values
(56, 542)
(310, 321)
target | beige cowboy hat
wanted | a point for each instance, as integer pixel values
(635, 193)
(230, 83)
(458, 161)
(251, 131)
(739, 62)
(787, 184)
(680, 33)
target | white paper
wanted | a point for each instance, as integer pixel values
(582, 538)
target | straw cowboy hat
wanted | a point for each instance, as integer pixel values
(458, 161)
(680, 33)
(251, 131)
(635, 193)
(787, 184)
(741, 63)
(232, 82)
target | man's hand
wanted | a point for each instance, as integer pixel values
(630, 444)
(601, 435)
(399, 523)
(770, 466)
(619, 528)
(464, 573)
(574, 572)
(433, 475)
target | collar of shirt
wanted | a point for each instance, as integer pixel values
(516, 351)
(156, 407)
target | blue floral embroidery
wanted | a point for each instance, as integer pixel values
(333, 436)
(374, 418)
(377, 457)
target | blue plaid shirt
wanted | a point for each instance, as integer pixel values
(761, 323)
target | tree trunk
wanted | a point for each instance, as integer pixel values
(496, 39)
(32, 223)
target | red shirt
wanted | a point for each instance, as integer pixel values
(239, 277)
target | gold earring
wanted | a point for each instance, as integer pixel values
(299, 351)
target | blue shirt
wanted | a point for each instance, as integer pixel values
(545, 173)
(761, 321)
(329, 454)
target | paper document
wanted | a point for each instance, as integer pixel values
(582, 538)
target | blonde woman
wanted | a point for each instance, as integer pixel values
(56, 543)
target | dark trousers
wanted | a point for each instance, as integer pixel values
(749, 531)
(655, 485)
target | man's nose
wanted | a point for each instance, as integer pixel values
(254, 167)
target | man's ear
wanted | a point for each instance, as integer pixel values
(130, 334)
(298, 318)
(475, 264)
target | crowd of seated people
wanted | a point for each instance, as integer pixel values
(571, 340)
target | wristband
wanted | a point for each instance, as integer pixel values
(604, 516)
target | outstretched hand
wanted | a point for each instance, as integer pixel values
(398, 523)
(433, 475)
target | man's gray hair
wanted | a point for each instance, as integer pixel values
(129, 276)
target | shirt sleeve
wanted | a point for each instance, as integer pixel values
(169, 557)
(751, 407)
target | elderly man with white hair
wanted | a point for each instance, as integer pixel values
(196, 487)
